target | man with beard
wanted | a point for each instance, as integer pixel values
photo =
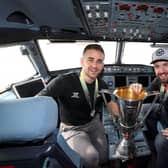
(160, 110)
(81, 105)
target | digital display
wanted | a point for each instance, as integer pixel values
(120, 81)
(144, 80)
(29, 88)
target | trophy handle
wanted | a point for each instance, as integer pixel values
(156, 94)
(114, 118)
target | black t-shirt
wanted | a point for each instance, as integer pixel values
(66, 89)
(155, 85)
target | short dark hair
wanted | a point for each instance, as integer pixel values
(93, 46)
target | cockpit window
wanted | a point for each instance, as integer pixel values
(60, 56)
(137, 53)
(14, 66)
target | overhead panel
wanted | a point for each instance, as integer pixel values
(127, 20)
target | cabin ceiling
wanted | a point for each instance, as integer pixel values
(100, 20)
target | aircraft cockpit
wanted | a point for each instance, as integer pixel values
(41, 40)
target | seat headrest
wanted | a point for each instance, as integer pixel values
(27, 119)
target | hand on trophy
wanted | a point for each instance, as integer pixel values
(165, 132)
(136, 87)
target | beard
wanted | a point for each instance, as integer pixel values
(163, 77)
(163, 80)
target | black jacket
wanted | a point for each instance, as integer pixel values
(66, 89)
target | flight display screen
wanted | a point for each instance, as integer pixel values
(28, 88)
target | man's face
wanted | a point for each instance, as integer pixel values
(161, 70)
(92, 63)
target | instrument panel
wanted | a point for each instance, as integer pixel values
(122, 20)
(125, 74)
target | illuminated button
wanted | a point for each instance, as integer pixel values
(114, 30)
(149, 38)
(131, 30)
(137, 30)
(105, 14)
(87, 7)
(142, 7)
(140, 36)
(89, 15)
(97, 7)
(124, 30)
(158, 10)
(125, 7)
(97, 15)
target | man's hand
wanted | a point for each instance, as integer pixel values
(136, 87)
(165, 133)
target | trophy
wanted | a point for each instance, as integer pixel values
(129, 125)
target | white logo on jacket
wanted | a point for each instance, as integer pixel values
(75, 95)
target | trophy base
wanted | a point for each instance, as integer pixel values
(125, 151)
